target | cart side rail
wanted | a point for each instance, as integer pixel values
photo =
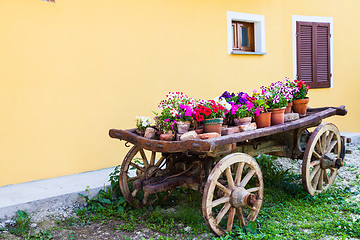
(158, 145)
(315, 115)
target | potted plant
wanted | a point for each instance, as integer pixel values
(181, 108)
(211, 113)
(141, 124)
(276, 97)
(300, 101)
(242, 113)
(291, 88)
(234, 101)
(262, 116)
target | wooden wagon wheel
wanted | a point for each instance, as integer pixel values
(146, 164)
(322, 159)
(236, 184)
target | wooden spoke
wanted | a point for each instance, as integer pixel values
(331, 146)
(222, 212)
(137, 167)
(223, 188)
(134, 192)
(160, 161)
(324, 139)
(316, 179)
(229, 178)
(314, 172)
(321, 180)
(230, 219)
(329, 138)
(152, 159)
(314, 163)
(326, 178)
(255, 189)
(144, 158)
(323, 142)
(146, 196)
(239, 171)
(220, 201)
(240, 216)
(134, 178)
(229, 170)
(319, 147)
(247, 178)
(318, 156)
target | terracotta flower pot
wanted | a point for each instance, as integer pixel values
(263, 120)
(183, 127)
(300, 106)
(242, 121)
(277, 116)
(213, 125)
(288, 107)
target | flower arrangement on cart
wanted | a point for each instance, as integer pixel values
(182, 118)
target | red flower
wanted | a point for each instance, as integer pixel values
(207, 111)
(215, 109)
(199, 117)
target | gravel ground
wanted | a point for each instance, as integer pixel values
(44, 219)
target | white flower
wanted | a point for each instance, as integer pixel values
(144, 121)
(223, 102)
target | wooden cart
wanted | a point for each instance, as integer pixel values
(224, 170)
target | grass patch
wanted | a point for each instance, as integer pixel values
(287, 211)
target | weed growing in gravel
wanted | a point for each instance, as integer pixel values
(22, 224)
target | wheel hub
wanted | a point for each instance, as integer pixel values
(241, 197)
(326, 162)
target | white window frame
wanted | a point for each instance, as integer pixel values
(299, 18)
(259, 31)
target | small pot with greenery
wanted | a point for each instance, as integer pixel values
(141, 124)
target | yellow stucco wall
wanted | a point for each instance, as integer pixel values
(70, 71)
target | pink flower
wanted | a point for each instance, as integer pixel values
(257, 112)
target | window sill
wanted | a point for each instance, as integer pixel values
(248, 53)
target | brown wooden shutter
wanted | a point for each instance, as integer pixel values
(322, 60)
(305, 50)
(313, 53)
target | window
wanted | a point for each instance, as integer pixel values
(313, 51)
(246, 33)
(243, 36)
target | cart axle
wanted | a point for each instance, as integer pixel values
(161, 186)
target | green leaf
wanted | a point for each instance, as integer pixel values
(104, 200)
(120, 209)
(121, 200)
(22, 214)
(2, 229)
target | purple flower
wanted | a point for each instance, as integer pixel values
(276, 99)
(257, 112)
(226, 94)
